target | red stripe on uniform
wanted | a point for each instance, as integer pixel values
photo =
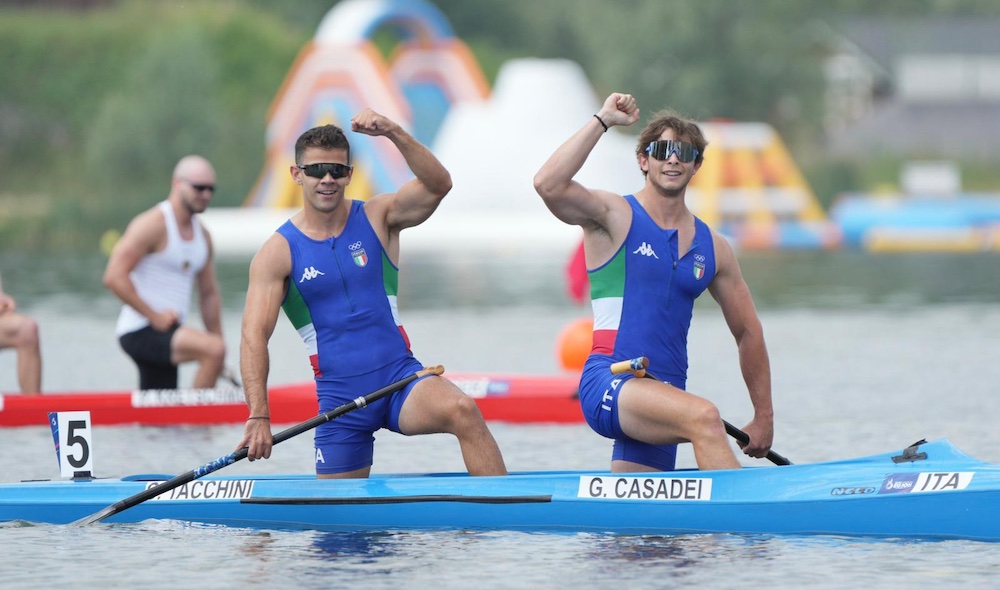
(406, 339)
(604, 341)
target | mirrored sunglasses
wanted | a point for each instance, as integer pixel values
(321, 170)
(662, 149)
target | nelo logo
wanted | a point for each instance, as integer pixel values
(852, 491)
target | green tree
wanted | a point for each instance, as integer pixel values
(165, 109)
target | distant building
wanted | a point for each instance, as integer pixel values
(918, 87)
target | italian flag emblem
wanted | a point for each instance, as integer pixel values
(699, 270)
(360, 257)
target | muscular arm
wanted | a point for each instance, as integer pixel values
(268, 272)
(143, 236)
(731, 292)
(417, 199)
(570, 201)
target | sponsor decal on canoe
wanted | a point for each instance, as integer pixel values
(913, 483)
(229, 489)
(483, 387)
(856, 491)
(164, 398)
(645, 488)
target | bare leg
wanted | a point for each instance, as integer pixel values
(356, 474)
(437, 405)
(656, 413)
(619, 466)
(21, 332)
(208, 349)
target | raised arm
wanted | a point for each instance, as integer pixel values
(733, 295)
(569, 200)
(417, 199)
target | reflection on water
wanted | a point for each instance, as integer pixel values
(682, 554)
(367, 545)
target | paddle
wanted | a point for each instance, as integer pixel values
(229, 375)
(637, 367)
(231, 458)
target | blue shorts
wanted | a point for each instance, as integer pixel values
(599, 390)
(347, 443)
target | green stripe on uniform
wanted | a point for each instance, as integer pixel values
(390, 276)
(295, 307)
(609, 280)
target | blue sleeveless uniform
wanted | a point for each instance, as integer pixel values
(341, 299)
(643, 300)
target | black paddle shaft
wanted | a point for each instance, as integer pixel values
(241, 454)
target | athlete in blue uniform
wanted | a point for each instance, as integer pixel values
(649, 258)
(332, 268)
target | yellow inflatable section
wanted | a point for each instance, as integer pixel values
(751, 190)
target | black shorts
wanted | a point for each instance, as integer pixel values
(150, 349)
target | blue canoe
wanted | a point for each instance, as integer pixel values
(928, 490)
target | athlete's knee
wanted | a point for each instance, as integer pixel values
(463, 413)
(213, 350)
(28, 333)
(705, 419)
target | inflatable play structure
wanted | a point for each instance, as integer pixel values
(492, 141)
(341, 72)
(898, 222)
(750, 189)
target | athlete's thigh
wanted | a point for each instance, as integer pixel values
(655, 412)
(190, 344)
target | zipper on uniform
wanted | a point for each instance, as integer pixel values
(340, 269)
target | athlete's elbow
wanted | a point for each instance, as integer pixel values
(546, 187)
(441, 185)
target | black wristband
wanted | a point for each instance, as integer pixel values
(601, 121)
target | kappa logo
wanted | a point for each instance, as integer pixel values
(646, 250)
(310, 274)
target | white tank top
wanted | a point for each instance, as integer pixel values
(164, 279)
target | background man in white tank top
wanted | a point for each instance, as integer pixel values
(153, 269)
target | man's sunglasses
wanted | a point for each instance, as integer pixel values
(662, 149)
(321, 170)
(201, 187)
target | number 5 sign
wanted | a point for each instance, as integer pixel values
(74, 451)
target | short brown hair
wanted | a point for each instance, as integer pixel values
(327, 137)
(684, 130)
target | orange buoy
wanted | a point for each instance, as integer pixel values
(575, 342)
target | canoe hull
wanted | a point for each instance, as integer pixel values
(946, 495)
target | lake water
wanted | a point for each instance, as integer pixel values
(868, 353)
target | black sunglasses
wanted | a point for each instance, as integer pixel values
(662, 149)
(321, 170)
(202, 187)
